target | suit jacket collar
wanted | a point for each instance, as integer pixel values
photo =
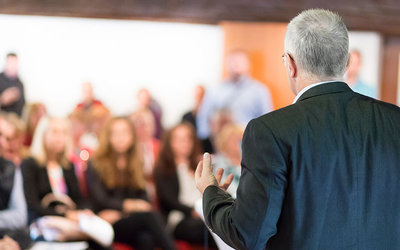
(323, 89)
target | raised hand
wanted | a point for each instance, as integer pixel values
(204, 175)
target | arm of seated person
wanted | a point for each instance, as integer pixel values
(110, 215)
(135, 205)
(75, 214)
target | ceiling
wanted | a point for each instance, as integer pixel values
(373, 15)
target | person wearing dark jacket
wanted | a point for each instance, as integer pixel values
(12, 95)
(322, 173)
(51, 188)
(176, 190)
(117, 186)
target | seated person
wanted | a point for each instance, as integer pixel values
(13, 214)
(55, 204)
(229, 155)
(117, 186)
(176, 189)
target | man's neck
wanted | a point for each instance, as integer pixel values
(312, 84)
(304, 83)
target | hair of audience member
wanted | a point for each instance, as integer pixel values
(38, 150)
(219, 119)
(16, 122)
(318, 41)
(105, 159)
(166, 160)
(16, 147)
(33, 110)
(144, 118)
(11, 54)
(223, 136)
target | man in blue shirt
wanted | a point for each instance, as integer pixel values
(243, 96)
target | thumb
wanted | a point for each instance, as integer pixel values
(206, 164)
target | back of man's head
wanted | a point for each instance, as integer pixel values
(318, 41)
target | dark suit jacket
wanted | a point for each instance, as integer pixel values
(7, 171)
(37, 186)
(323, 173)
(5, 83)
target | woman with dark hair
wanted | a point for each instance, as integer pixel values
(117, 188)
(176, 189)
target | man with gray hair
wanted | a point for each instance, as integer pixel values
(322, 173)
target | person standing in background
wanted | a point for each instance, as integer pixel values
(12, 96)
(245, 97)
(353, 76)
(88, 99)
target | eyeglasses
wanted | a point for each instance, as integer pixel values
(284, 56)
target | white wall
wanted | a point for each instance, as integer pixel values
(370, 46)
(118, 57)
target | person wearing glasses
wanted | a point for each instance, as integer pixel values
(322, 173)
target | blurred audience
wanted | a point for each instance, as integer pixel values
(146, 101)
(353, 76)
(35, 112)
(94, 116)
(88, 99)
(148, 146)
(245, 97)
(117, 188)
(12, 96)
(228, 143)
(55, 204)
(12, 132)
(13, 211)
(80, 154)
(190, 116)
(176, 189)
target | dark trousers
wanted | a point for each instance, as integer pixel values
(142, 231)
(193, 230)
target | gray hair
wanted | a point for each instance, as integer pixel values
(319, 43)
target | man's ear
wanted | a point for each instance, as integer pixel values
(292, 67)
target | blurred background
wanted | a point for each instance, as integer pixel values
(143, 89)
(171, 46)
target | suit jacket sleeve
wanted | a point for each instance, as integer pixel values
(249, 221)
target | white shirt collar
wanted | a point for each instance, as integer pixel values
(307, 88)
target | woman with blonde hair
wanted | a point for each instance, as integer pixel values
(117, 188)
(228, 157)
(55, 205)
(12, 130)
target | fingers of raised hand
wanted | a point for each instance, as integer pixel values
(224, 186)
(219, 174)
